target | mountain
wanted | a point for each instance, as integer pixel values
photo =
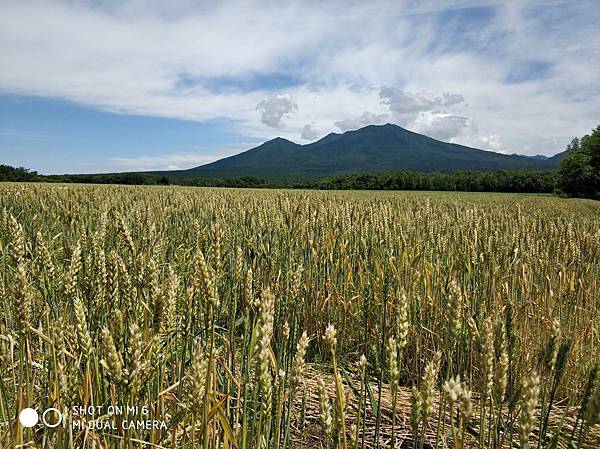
(373, 148)
(555, 160)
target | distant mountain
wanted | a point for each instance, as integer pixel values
(555, 160)
(366, 150)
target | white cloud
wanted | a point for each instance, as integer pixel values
(451, 99)
(406, 106)
(492, 141)
(366, 118)
(272, 110)
(308, 132)
(171, 161)
(24, 134)
(422, 112)
(444, 126)
(217, 60)
(167, 162)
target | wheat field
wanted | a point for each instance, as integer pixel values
(171, 317)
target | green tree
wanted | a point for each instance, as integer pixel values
(580, 169)
(8, 173)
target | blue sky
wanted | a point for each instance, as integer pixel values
(97, 86)
(60, 136)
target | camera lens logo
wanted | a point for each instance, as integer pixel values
(56, 419)
(29, 417)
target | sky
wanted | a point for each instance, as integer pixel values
(103, 86)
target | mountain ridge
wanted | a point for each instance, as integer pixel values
(370, 149)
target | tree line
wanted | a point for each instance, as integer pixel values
(18, 174)
(499, 181)
(578, 176)
(526, 181)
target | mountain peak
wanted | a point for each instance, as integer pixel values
(388, 129)
(373, 148)
(387, 125)
(280, 139)
(374, 126)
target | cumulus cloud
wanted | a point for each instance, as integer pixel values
(451, 99)
(308, 132)
(273, 109)
(422, 112)
(443, 126)
(366, 118)
(406, 105)
(492, 141)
